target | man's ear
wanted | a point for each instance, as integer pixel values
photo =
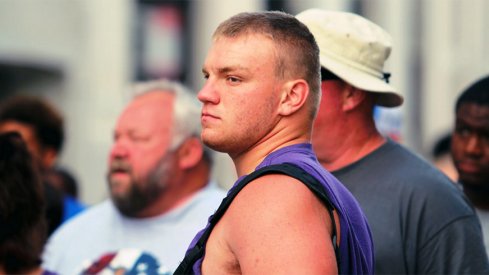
(352, 97)
(190, 153)
(293, 97)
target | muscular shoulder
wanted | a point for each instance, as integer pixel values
(277, 224)
(411, 187)
(394, 171)
(275, 191)
(422, 183)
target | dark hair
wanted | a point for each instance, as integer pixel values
(22, 227)
(43, 117)
(442, 146)
(478, 93)
(328, 75)
(296, 46)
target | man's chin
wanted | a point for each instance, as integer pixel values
(118, 189)
(473, 181)
(124, 206)
(218, 145)
(119, 198)
(117, 194)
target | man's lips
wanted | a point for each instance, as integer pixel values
(114, 175)
(118, 172)
(205, 116)
(468, 167)
(119, 169)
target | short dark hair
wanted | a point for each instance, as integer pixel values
(46, 121)
(22, 225)
(296, 43)
(442, 146)
(478, 93)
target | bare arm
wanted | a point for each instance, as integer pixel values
(276, 225)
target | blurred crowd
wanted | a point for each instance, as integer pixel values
(309, 96)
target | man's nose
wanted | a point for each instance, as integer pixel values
(473, 146)
(119, 150)
(208, 93)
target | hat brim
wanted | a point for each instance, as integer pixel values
(387, 95)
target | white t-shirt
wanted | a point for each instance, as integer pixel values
(102, 231)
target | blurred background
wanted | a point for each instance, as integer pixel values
(82, 55)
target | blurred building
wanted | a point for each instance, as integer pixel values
(82, 54)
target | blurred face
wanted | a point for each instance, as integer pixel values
(139, 161)
(241, 93)
(28, 135)
(328, 121)
(470, 144)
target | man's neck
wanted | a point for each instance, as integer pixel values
(247, 161)
(288, 130)
(351, 148)
(179, 192)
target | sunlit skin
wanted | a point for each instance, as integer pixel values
(248, 112)
(470, 151)
(245, 108)
(244, 82)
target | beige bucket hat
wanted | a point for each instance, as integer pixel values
(354, 49)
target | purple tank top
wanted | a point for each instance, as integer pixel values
(356, 246)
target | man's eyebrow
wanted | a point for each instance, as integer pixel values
(232, 69)
(225, 70)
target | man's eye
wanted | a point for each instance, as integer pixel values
(233, 79)
(464, 132)
(139, 138)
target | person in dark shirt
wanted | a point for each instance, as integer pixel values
(421, 223)
(470, 148)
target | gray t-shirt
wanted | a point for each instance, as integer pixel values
(484, 218)
(420, 222)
